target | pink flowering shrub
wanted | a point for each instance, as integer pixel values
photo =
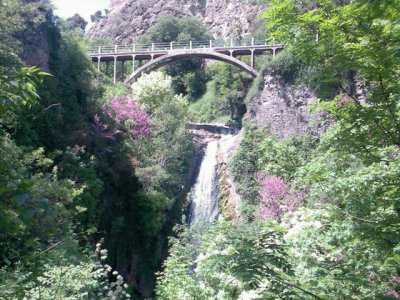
(125, 110)
(392, 293)
(277, 198)
(128, 117)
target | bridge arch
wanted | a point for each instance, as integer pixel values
(179, 55)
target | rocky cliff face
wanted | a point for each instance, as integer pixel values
(284, 107)
(128, 19)
(35, 46)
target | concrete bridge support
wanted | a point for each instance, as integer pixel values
(122, 70)
(133, 63)
(107, 67)
(115, 69)
(253, 60)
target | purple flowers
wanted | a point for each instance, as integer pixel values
(127, 113)
(128, 117)
(393, 293)
(277, 198)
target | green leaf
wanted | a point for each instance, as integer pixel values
(21, 199)
(27, 214)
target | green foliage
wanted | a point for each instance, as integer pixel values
(76, 22)
(231, 262)
(262, 64)
(18, 89)
(17, 16)
(33, 200)
(343, 244)
(48, 193)
(223, 98)
(188, 76)
(154, 207)
(334, 258)
(244, 168)
(176, 280)
(74, 164)
(284, 158)
(165, 157)
(153, 90)
(62, 271)
(174, 29)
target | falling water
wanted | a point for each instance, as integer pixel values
(204, 194)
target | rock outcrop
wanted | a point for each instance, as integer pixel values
(128, 19)
(35, 46)
(284, 107)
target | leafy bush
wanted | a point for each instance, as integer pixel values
(223, 99)
(231, 261)
(153, 90)
(188, 76)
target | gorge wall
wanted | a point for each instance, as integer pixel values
(128, 19)
(283, 106)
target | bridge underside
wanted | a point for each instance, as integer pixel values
(170, 58)
(159, 55)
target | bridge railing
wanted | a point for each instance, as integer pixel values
(157, 47)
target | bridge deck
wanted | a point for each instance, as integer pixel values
(151, 51)
(158, 54)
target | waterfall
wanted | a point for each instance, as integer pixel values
(204, 194)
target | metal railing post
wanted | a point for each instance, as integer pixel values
(252, 41)
(152, 46)
(231, 42)
(172, 43)
(210, 43)
(134, 47)
(191, 45)
(116, 48)
(99, 49)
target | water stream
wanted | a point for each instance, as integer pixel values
(204, 194)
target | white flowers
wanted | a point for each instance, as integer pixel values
(249, 295)
(115, 288)
(154, 89)
(120, 280)
(103, 254)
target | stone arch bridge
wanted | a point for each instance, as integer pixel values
(155, 55)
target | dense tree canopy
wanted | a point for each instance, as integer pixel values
(333, 200)
(188, 75)
(93, 176)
